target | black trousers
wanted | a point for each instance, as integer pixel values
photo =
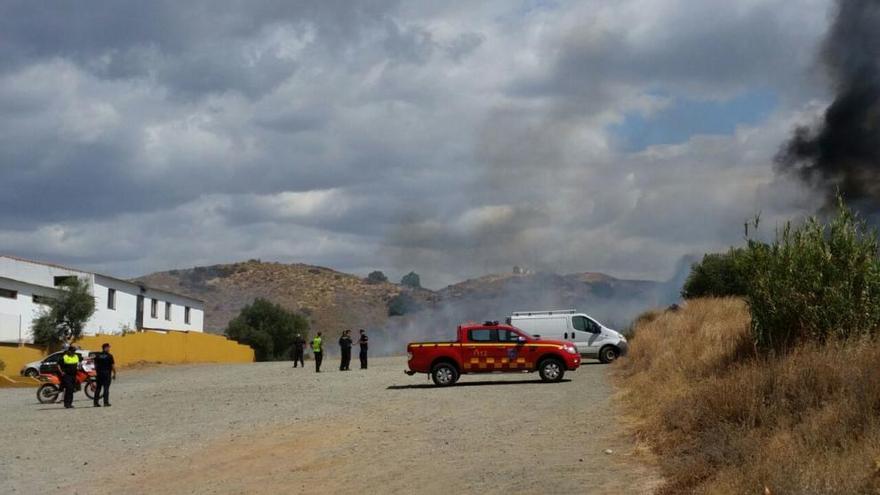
(103, 387)
(298, 357)
(346, 359)
(68, 382)
(319, 356)
(363, 356)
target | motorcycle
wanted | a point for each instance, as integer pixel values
(51, 390)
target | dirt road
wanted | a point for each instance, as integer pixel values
(266, 427)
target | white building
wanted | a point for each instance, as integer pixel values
(119, 304)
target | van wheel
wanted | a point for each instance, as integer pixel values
(31, 373)
(444, 374)
(608, 354)
(551, 370)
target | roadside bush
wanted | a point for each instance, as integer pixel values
(814, 282)
(717, 275)
(268, 328)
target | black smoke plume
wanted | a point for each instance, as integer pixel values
(842, 151)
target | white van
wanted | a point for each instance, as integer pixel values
(592, 339)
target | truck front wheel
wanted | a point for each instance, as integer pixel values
(551, 370)
(444, 374)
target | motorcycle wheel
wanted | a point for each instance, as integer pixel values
(48, 393)
(91, 386)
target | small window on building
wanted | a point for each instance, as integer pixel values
(42, 299)
(8, 294)
(111, 298)
(186, 315)
(154, 308)
(167, 311)
(63, 279)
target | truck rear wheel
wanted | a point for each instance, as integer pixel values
(551, 370)
(444, 374)
(608, 354)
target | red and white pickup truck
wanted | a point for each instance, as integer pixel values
(491, 348)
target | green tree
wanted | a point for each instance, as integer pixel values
(65, 316)
(268, 328)
(411, 279)
(717, 275)
(376, 277)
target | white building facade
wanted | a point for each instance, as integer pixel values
(120, 305)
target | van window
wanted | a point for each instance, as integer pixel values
(584, 324)
(482, 335)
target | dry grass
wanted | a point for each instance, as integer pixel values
(722, 420)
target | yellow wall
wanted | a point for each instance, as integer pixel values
(15, 357)
(170, 348)
(151, 347)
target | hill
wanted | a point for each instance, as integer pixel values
(332, 300)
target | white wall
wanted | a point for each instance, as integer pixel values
(22, 309)
(178, 305)
(107, 320)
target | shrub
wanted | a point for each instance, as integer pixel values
(2, 365)
(814, 282)
(402, 304)
(268, 328)
(376, 277)
(717, 275)
(411, 279)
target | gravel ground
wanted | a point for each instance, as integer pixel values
(264, 426)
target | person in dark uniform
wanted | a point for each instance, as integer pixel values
(298, 350)
(67, 365)
(318, 351)
(363, 341)
(105, 369)
(345, 347)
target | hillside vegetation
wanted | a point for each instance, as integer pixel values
(777, 392)
(723, 418)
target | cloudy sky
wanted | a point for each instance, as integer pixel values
(454, 138)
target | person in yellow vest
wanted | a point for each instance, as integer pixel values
(67, 367)
(318, 351)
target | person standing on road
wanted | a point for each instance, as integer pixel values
(298, 350)
(318, 351)
(105, 371)
(67, 367)
(363, 341)
(345, 347)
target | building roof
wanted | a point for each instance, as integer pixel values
(62, 267)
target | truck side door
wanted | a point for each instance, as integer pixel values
(515, 355)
